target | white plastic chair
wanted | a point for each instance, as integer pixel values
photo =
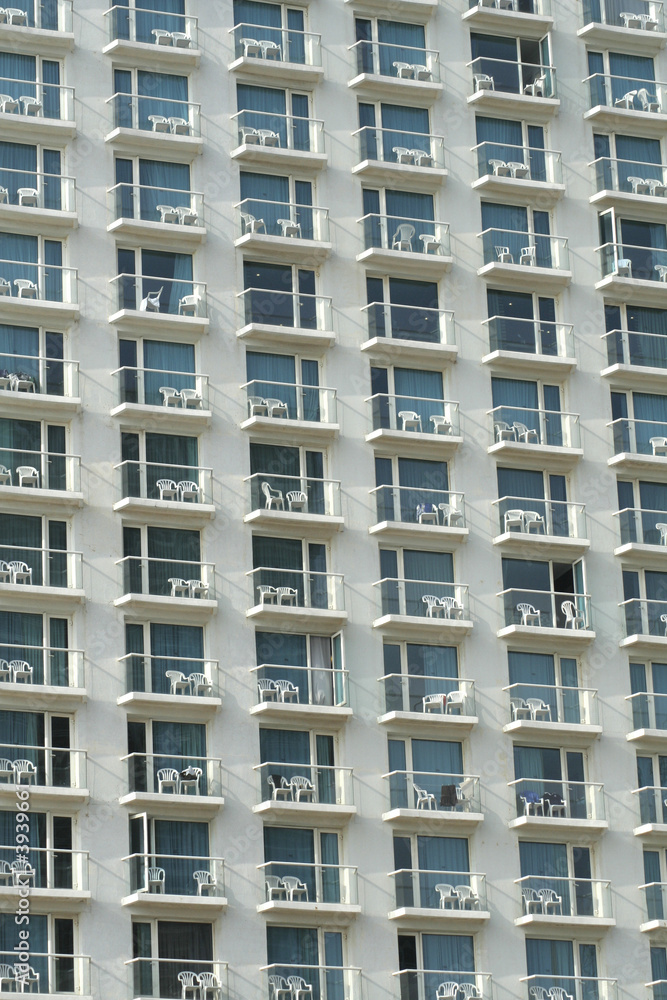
(469, 901)
(179, 126)
(159, 122)
(425, 800)
(574, 618)
(251, 224)
(449, 897)
(402, 238)
(639, 185)
(421, 72)
(170, 396)
(528, 256)
(5, 287)
(270, 49)
(249, 136)
(267, 593)
(198, 589)
(178, 682)
(5, 671)
(257, 407)
(24, 772)
(427, 512)
(187, 490)
(441, 425)
(526, 434)
(533, 521)
(631, 20)
(302, 789)
(21, 572)
(430, 243)
(280, 787)
(452, 607)
(189, 984)
(275, 889)
(300, 988)
(519, 709)
(287, 692)
(297, 500)
(504, 256)
(31, 106)
(187, 216)
(161, 36)
(188, 305)
(25, 289)
(529, 614)
(538, 708)
(531, 901)
(155, 880)
(483, 82)
(205, 882)
(550, 899)
(519, 170)
(251, 47)
(286, 596)
(273, 498)
(623, 267)
(537, 87)
(659, 445)
(267, 689)
(200, 682)
(662, 271)
(28, 476)
(22, 871)
(295, 888)
(404, 70)
(29, 197)
(403, 154)
(268, 137)
(649, 102)
(151, 302)
(514, 519)
(662, 528)
(289, 228)
(434, 701)
(189, 780)
(447, 991)
(277, 408)
(410, 419)
(500, 168)
(179, 587)
(8, 104)
(503, 431)
(167, 489)
(167, 213)
(434, 608)
(451, 517)
(422, 158)
(167, 777)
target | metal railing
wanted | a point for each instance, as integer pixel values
(649, 710)
(645, 617)
(559, 799)
(564, 897)
(148, 673)
(648, 527)
(509, 246)
(292, 685)
(50, 665)
(639, 437)
(545, 609)
(576, 987)
(414, 505)
(47, 767)
(552, 517)
(403, 62)
(541, 7)
(32, 282)
(521, 425)
(52, 868)
(429, 791)
(32, 373)
(501, 159)
(425, 695)
(138, 24)
(300, 494)
(142, 480)
(271, 587)
(454, 892)
(407, 597)
(413, 323)
(392, 232)
(626, 261)
(317, 883)
(657, 989)
(172, 774)
(655, 897)
(167, 577)
(33, 189)
(553, 703)
(282, 218)
(161, 115)
(631, 176)
(628, 93)
(530, 336)
(388, 145)
(291, 401)
(47, 15)
(270, 44)
(264, 128)
(55, 470)
(46, 567)
(512, 76)
(156, 204)
(329, 982)
(158, 977)
(414, 414)
(53, 973)
(652, 804)
(143, 386)
(423, 984)
(641, 350)
(175, 874)
(149, 294)
(646, 14)
(285, 309)
(30, 99)
(326, 785)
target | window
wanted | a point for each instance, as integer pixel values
(294, 563)
(291, 379)
(618, 158)
(281, 295)
(314, 954)
(178, 847)
(284, 112)
(136, 19)
(625, 73)
(516, 65)
(386, 211)
(157, 278)
(23, 165)
(382, 44)
(44, 644)
(50, 850)
(43, 15)
(523, 322)
(637, 418)
(271, 197)
(161, 94)
(533, 408)
(414, 670)
(153, 648)
(564, 869)
(644, 592)
(312, 856)
(423, 958)
(434, 766)
(404, 485)
(288, 754)
(555, 589)
(655, 877)
(147, 459)
(38, 744)
(168, 947)
(551, 779)
(146, 365)
(143, 185)
(516, 228)
(152, 556)
(642, 244)
(659, 972)
(386, 127)
(648, 685)
(41, 544)
(538, 493)
(34, 78)
(286, 469)
(281, 24)
(36, 356)
(552, 679)
(407, 575)
(313, 664)
(396, 390)
(155, 745)
(53, 956)
(33, 266)
(430, 859)
(636, 335)
(403, 309)
(642, 507)
(512, 142)
(36, 444)
(561, 963)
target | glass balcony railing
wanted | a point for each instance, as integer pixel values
(424, 695)
(639, 437)
(508, 246)
(540, 7)
(423, 599)
(655, 898)
(402, 62)
(422, 984)
(564, 897)
(552, 703)
(657, 989)
(152, 481)
(295, 882)
(291, 685)
(576, 987)
(433, 791)
(329, 982)
(546, 609)
(31, 99)
(138, 24)
(559, 799)
(414, 414)
(509, 76)
(31, 189)
(306, 783)
(414, 323)
(50, 974)
(652, 804)
(413, 505)
(646, 527)
(154, 294)
(49, 15)
(520, 425)
(640, 263)
(530, 336)
(296, 588)
(626, 93)
(264, 128)
(272, 307)
(27, 565)
(156, 204)
(41, 470)
(281, 218)
(46, 868)
(454, 892)
(175, 874)
(629, 176)
(295, 494)
(173, 774)
(179, 675)
(646, 14)
(46, 767)
(167, 577)
(50, 665)
(170, 389)
(649, 710)
(33, 282)
(161, 115)
(518, 162)
(30, 373)
(641, 350)
(644, 617)
(288, 401)
(404, 235)
(415, 149)
(158, 977)
(271, 44)
(529, 516)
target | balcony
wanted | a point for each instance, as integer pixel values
(576, 987)
(40, 578)
(426, 800)
(530, 346)
(47, 481)
(439, 706)
(626, 103)
(657, 989)
(560, 907)
(503, 86)
(37, 202)
(297, 598)
(148, 398)
(282, 231)
(385, 155)
(654, 920)
(543, 528)
(543, 619)
(171, 687)
(407, 513)
(38, 293)
(55, 776)
(432, 611)
(651, 803)
(424, 983)
(531, 438)
(396, 71)
(643, 540)
(639, 445)
(334, 982)
(155, 979)
(35, 111)
(302, 694)
(531, 19)
(164, 493)
(429, 427)
(181, 886)
(635, 359)
(297, 894)
(279, 141)
(641, 32)
(54, 674)
(405, 247)
(645, 625)
(288, 503)
(151, 213)
(439, 901)
(525, 261)
(629, 271)
(630, 186)
(180, 587)
(649, 720)
(39, 386)
(272, 55)
(548, 714)
(272, 318)
(426, 336)
(287, 412)
(55, 879)
(173, 785)
(569, 809)
(64, 976)
(152, 38)
(519, 172)
(154, 126)
(303, 794)
(46, 28)
(174, 309)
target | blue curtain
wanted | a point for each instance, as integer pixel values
(17, 156)
(502, 141)
(646, 350)
(268, 369)
(18, 74)
(38, 947)
(19, 440)
(519, 401)
(400, 42)
(521, 483)
(447, 953)
(629, 72)
(532, 670)
(653, 894)
(161, 184)
(158, 14)
(179, 552)
(190, 842)
(21, 538)
(436, 855)
(496, 56)
(549, 865)
(507, 226)
(270, 102)
(295, 849)
(296, 947)
(420, 391)
(170, 271)
(416, 477)
(437, 568)
(191, 944)
(412, 207)
(161, 360)
(652, 410)
(169, 456)
(552, 961)
(51, 89)
(23, 252)
(267, 197)
(637, 157)
(183, 641)
(22, 341)
(20, 730)
(180, 744)
(26, 631)
(509, 331)
(659, 972)
(36, 839)
(407, 127)
(161, 94)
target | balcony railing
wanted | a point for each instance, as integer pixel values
(545, 609)
(50, 15)
(152, 387)
(173, 774)
(553, 703)
(652, 804)
(422, 695)
(158, 977)
(156, 204)
(181, 675)
(45, 567)
(564, 897)
(508, 246)
(627, 93)
(295, 494)
(153, 481)
(530, 336)
(272, 44)
(30, 99)
(31, 282)
(630, 176)
(413, 505)
(655, 897)
(422, 984)
(49, 665)
(540, 7)
(50, 868)
(31, 373)
(285, 309)
(646, 14)
(419, 324)
(47, 767)
(519, 162)
(161, 115)
(639, 437)
(414, 414)
(641, 350)
(649, 710)
(55, 470)
(137, 24)
(644, 617)
(33, 189)
(296, 588)
(177, 874)
(530, 516)
(433, 791)
(167, 577)
(521, 425)
(509, 76)
(647, 527)
(391, 232)
(282, 218)
(317, 883)
(402, 62)
(264, 128)
(324, 784)
(454, 892)
(330, 982)
(292, 685)
(559, 799)
(640, 263)
(54, 974)
(423, 599)
(657, 989)
(291, 401)
(415, 149)
(159, 295)
(576, 987)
